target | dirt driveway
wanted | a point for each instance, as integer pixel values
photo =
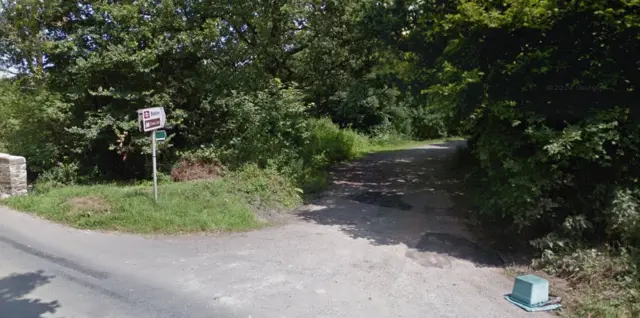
(383, 242)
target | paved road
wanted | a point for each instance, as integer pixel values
(384, 242)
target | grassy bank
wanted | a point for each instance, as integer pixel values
(241, 200)
(233, 202)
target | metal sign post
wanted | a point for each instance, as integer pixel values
(155, 171)
(150, 120)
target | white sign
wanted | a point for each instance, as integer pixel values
(151, 118)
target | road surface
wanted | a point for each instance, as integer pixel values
(383, 242)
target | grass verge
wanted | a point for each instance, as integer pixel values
(230, 203)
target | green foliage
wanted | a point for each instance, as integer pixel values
(331, 143)
(624, 216)
(263, 126)
(61, 175)
(325, 146)
(162, 178)
(265, 188)
(33, 124)
(429, 123)
(532, 140)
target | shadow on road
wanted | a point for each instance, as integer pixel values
(14, 301)
(404, 197)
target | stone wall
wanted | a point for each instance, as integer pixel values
(13, 175)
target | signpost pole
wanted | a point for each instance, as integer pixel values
(150, 120)
(155, 174)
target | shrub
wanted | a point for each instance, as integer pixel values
(329, 144)
(323, 145)
(386, 133)
(261, 127)
(164, 178)
(63, 174)
(624, 216)
(428, 123)
(265, 188)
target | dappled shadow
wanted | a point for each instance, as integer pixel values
(14, 300)
(404, 197)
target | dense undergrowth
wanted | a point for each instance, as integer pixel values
(597, 280)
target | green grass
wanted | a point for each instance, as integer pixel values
(225, 204)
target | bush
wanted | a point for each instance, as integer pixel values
(428, 123)
(261, 127)
(164, 178)
(324, 145)
(624, 216)
(265, 188)
(329, 144)
(386, 133)
(64, 174)
(270, 130)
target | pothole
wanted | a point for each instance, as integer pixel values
(382, 198)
